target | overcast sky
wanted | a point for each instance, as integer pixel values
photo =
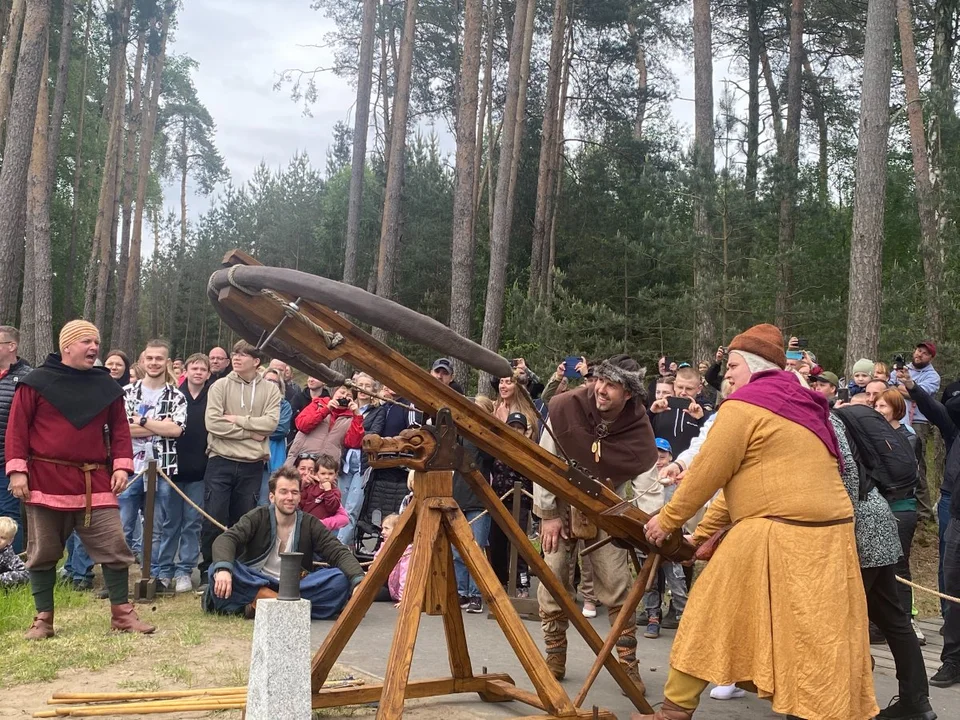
(241, 47)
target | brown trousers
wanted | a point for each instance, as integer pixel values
(48, 530)
(611, 584)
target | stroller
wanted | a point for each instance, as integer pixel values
(385, 489)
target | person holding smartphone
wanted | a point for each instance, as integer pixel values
(679, 417)
(328, 426)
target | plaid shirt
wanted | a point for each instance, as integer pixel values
(172, 405)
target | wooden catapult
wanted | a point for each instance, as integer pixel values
(294, 316)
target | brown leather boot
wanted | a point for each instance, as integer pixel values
(557, 662)
(124, 618)
(265, 593)
(634, 675)
(42, 627)
(667, 711)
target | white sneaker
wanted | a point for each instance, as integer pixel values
(727, 692)
(184, 584)
(589, 610)
(916, 631)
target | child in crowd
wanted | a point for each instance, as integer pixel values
(863, 371)
(398, 576)
(12, 570)
(319, 494)
(674, 578)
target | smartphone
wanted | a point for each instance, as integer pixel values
(343, 402)
(513, 363)
(678, 403)
(794, 355)
(843, 394)
(801, 342)
(570, 367)
(667, 362)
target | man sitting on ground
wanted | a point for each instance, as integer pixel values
(246, 558)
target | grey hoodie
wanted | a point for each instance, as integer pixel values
(256, 406)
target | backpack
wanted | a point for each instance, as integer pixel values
(884, 457)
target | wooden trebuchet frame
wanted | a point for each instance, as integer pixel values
(294, 317)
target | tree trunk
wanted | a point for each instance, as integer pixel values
(550, 247)
(38, 229)
(546, 172)
(941, 138)
(464, 240)
(131, 292)
(71, 269)
(101, 259)
(9, 59)
(390, 228)
(823, 138)
(866, 244)
(705, 327)
(929, 242)
(139, 106)
(528, 29)
(753, 98)
(485, 104)
(775, 116)
(361, 121)
(514, 109)
(788, 169)
(640, 63)
(16, 154)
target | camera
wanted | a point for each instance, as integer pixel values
(343, 402)
(898, 362)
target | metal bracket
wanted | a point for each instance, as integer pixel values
(449, 453)
(582, 481)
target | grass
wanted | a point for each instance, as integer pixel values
(84, 640)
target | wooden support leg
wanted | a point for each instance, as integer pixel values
(457, 652)
(539, 567)
(408, 621)
(362, 599)
(640, 586)
(554, 698)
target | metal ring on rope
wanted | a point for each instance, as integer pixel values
(353, 301)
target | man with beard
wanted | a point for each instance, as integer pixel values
(926, 377)
(606, 430)
(246, 558)
(64, 414)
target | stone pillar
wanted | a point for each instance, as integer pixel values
(279, 685)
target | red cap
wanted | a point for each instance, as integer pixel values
(931, 348)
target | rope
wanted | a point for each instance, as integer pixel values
(162, 474)
(940, 595)
(292, 310)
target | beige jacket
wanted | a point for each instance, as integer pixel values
(256, 406)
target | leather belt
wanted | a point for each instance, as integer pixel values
(87, 470)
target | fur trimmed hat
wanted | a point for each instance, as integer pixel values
(622, 370)
(764, 340)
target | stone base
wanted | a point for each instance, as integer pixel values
(279, 685)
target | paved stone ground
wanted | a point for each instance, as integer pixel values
(368, 650)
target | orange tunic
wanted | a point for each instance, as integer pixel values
(781, 606)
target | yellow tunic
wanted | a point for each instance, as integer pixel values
(781, 606)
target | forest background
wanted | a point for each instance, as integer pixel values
(575, 216)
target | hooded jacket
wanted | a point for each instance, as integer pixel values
(256, 405)
(676, 426)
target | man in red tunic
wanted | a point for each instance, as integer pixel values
(62, 417)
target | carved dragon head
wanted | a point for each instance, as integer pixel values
(412, 449)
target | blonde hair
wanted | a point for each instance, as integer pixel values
(282, 385)
(520, 402)
(377, 387)
(390, 520)
(8, 527)
(484, 402)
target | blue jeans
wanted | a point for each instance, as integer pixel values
(10, 507)
(78, 566)
(943, 519)
(327, 589)
(676, 582)
(131, 503)
(352, 483)
(179, 546)
(466, 587)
